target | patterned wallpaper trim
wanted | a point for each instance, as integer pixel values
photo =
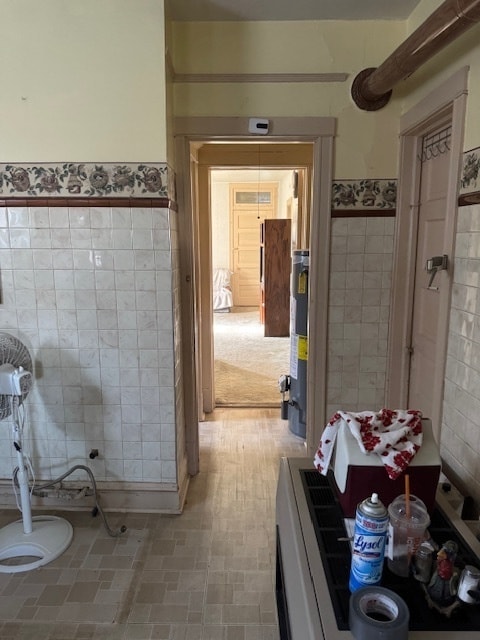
(470, 178)
(140, 180)
(146, 180)
(72, 179)
(363, 195)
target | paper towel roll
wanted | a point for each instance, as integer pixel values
(376, 613)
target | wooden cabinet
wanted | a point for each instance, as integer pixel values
(275, 266)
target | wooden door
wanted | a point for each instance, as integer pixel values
(427, 349)
(250, 205)
(275, 285)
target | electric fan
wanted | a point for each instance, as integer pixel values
(32, 541)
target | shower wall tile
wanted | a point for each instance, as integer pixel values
(360, 278)
(90, 291)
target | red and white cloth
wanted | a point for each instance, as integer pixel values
(394, 435)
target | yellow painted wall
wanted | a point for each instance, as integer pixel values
(463, 51)
(82, 81)
(86, 81)
(170, 143)
(366, 144)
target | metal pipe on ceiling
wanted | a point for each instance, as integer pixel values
(372, 87)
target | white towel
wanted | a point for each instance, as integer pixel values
(394, 435)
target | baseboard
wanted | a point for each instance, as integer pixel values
(122, 497)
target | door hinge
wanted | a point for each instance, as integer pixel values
(409, 350)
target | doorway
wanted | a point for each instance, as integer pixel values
(247, 362)
(191, 135)
(265, 159)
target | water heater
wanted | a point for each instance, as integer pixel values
(297, 403)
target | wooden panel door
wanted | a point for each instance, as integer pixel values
(277, 260)
(427, 351)
(246, 257)
(250, 205)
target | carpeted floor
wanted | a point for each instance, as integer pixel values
(247, 365)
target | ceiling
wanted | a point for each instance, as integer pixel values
(277, 10)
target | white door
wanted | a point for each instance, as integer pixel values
(428, 347)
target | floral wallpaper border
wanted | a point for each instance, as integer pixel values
(368, 193)
(470, 175)
(83, 179)
(140, 180)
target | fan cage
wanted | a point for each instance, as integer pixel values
(14, 352)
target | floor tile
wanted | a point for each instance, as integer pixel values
(207, 574)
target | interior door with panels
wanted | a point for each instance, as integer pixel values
(431, 271)
(250, 204)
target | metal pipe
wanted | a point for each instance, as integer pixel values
(372, 87)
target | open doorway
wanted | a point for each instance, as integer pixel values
(247, 210)
(248, 361)
(197, 140)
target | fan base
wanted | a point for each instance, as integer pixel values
(50, 537)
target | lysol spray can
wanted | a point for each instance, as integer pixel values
(371, 524)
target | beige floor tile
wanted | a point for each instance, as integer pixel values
(207, 574)
(83, 592)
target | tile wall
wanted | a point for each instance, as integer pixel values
(360, 281)
(92, 293)
(460, 439)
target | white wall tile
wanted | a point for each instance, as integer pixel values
(65, 299)
(121, 218)
(79, 217)
(60, 239)
(359, 349)
(84, 286)
(122, 239)
(57, 217)
(21, 239)
(4, 239)
(460, 436)
(356, 244)
(18, 217)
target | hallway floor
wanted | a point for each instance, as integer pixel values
(247, 364)
(207, 574)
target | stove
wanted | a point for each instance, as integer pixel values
(313, 563)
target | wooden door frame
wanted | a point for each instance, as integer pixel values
(449, 99)
(190, 131)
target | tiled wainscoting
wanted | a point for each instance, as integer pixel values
(360, 283)
(460, 442)
(93, 293)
